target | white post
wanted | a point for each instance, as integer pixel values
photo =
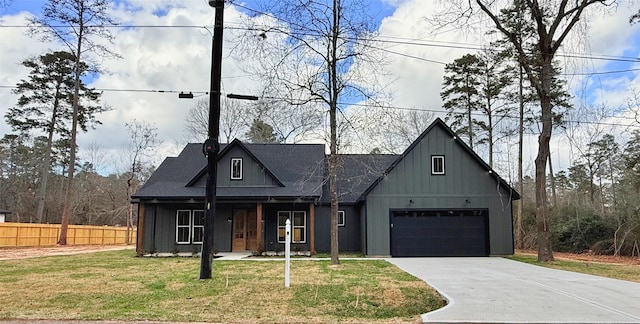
(287, 252)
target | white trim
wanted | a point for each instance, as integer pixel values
(344, 219)
(303, 226)
(291, 215)
(433, 164)
(279, 227)
(178, 226)
(194, 226)
(240, 167)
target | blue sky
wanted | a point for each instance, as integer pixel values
(175, 59)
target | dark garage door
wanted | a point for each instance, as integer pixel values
(439, 233)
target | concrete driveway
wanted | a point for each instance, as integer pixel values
(497, 290)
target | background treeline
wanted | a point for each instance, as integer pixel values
(97, 199)
(595, 204)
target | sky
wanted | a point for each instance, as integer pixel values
(161, 57)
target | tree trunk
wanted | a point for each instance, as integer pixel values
(129, 212)
(46, 164)
(545, 252)
(469, 117)
(333, 157)
(519, 229)
(490, 130)
(68, 201)
(552, 180)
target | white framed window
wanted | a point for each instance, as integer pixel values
(341, 219)
(282, 219)
(437, 164)
(298, 226)
(197, 232)
(183, 226)
(236, 169)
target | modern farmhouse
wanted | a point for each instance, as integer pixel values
(438, 198)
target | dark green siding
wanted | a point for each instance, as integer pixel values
(348, 235)
(270, 216)
(253, 174)
(160, 229)
(466, 184)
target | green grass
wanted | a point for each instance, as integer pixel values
(616, 271)
(118, 286)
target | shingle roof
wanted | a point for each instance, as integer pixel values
(439, 123)
(356, 172)
(299, 167)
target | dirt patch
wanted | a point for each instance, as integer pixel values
(590, 257)
(35, 252)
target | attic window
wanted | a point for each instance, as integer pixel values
(437, 164)
(236, 169)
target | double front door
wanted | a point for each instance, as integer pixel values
(245, 230)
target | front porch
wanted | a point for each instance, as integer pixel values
(261, 229)
(258, 227)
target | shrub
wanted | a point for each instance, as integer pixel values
(578, 234)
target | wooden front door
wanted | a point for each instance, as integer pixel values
(245, 229)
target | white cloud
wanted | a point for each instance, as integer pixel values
(178, 59)
(153, 58)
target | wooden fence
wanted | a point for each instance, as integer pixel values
(32, 234)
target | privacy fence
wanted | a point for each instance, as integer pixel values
(31, 234)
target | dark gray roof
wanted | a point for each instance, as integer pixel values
(439, 123)
(356, 172)
(298, 167)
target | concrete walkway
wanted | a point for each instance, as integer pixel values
(497, 290)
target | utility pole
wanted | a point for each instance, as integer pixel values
(211, 146)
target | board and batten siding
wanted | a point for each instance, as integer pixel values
(253, 173)
(160, 229)
(348, 235)
(466, 184)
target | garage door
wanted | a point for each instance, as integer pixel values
(439, 233)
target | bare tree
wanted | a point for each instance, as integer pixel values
(553, 20)
(290, 122)
(233, 120)
(143, 140)
(325, 58)
(80, 26)
(44, 105)
(386, 130)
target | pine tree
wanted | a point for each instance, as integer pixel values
(45, 105)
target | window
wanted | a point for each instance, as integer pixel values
(437, 164)
(282, 219)
(341, 219)
(189, 226)
(198, 226)
(298, 226)
(183, 227)
(236, 169)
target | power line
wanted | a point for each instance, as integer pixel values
(384, 39)
(366, 106)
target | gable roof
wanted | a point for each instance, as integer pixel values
(356, 172)
(298, 168)
(442, 125)
(224, 151)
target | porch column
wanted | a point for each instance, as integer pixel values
(259, 229)
(312, 229)
(140, 230)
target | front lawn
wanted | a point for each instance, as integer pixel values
(628, 272)
(118, 286)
